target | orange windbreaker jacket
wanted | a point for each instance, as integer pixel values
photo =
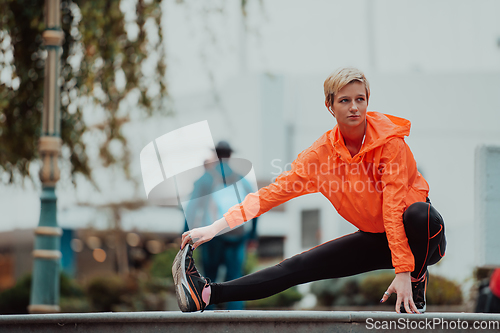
(371, 190)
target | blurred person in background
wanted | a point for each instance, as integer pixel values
(228, 250)
(488, 300)
(364, 167)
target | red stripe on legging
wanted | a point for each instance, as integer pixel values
(439, 248)
(437, 233)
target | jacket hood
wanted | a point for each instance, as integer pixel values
(380, 129)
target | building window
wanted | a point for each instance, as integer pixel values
(271, 247)
(310, 228)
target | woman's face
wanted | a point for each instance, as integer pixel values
(350, 104)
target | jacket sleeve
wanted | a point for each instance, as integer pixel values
(288, 185)
(395, 180)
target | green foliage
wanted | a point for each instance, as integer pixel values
(368, 289)
(339, 292)
(151, 294)
(73, 298)
(441, 291)
(96, 49)
(136, 292)
(161, 266)
(105, 292)
(251, 263)
(69, 287)
(373, 286)
(16, 299)
(20, 116)
(74, 305)
(283, 299)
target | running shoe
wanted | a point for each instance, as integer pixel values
(419, 288)
(188, 282)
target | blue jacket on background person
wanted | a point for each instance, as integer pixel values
(213, 194)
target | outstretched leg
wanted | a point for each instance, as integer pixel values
(348, 255)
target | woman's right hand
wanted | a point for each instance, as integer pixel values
(202, 235)
(198, 236)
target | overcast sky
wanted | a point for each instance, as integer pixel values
(317, 36)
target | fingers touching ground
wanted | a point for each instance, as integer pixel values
(406, 301)
(408, 304)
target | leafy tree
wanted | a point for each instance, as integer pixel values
(101, 64)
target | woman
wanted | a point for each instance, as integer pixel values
(366, 170)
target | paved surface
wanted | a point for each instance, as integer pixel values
(250, 321)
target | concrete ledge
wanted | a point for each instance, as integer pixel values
(249, 321)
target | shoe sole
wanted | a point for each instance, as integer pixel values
(402, 310)
(180, 281)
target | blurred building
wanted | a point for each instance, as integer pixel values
(15, 256)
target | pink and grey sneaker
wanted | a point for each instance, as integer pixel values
(419, 289)
(188, 282)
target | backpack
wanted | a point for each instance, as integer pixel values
(224, 194)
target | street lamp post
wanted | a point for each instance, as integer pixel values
(45, 284)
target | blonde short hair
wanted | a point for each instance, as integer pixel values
(341, 78)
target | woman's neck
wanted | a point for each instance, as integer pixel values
(353, 137)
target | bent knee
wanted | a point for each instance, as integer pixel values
(418, 211)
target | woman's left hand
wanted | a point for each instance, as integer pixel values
(401, 285)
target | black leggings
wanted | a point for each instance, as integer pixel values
(348, 255)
